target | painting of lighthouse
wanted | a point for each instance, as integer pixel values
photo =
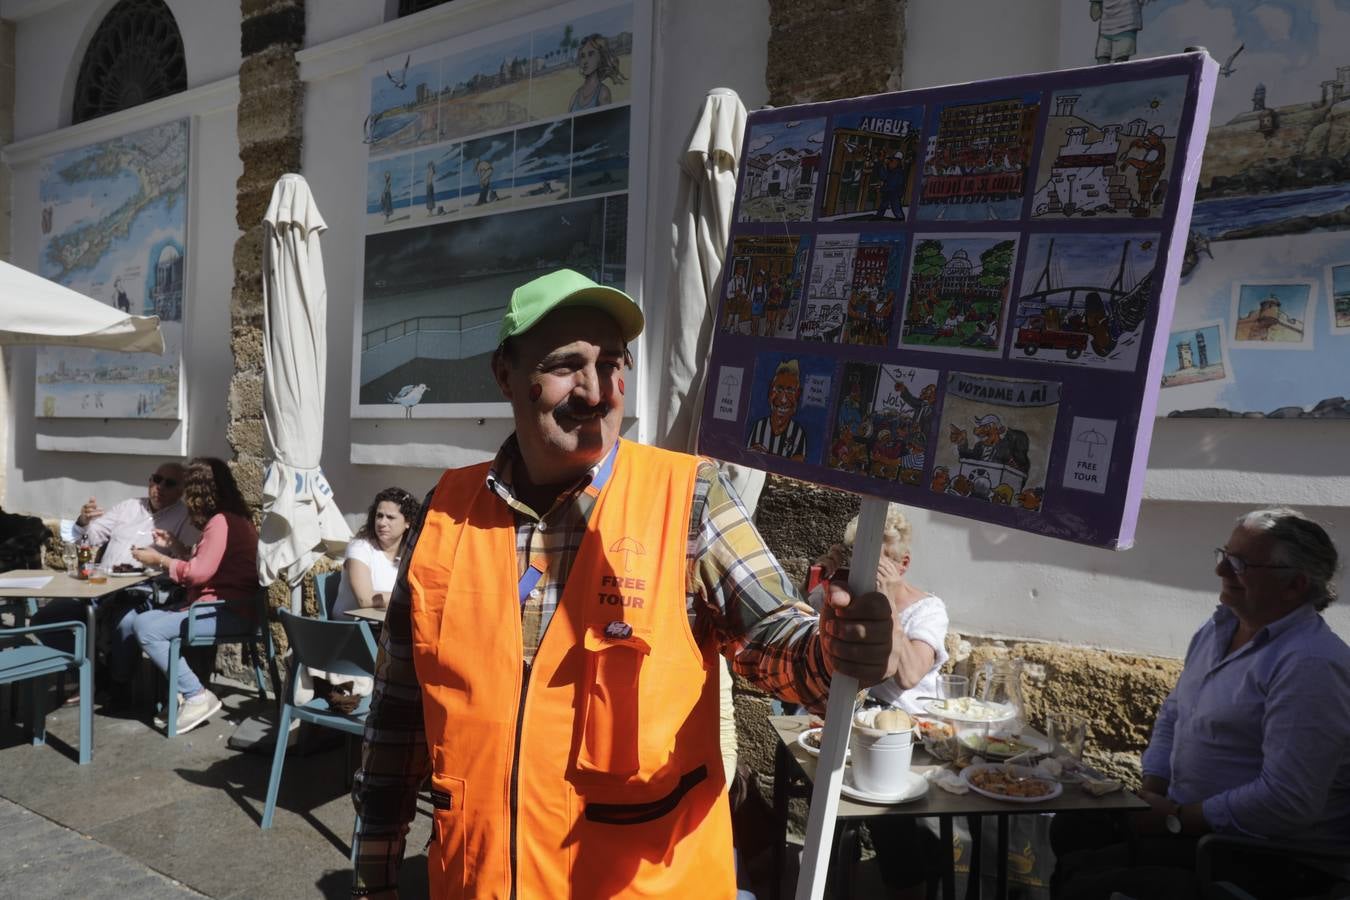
(1195, 354)
(1110, 150)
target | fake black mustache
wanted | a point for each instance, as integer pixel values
(581, 410)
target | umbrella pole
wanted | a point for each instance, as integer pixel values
(838, 717)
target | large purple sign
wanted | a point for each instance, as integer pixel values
(951, 297)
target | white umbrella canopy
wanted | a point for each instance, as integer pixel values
(301, 520)
(34, 310)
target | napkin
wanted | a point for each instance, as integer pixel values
(947, 780)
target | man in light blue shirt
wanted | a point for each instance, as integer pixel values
(1255, 738)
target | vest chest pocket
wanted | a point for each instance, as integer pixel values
(610, 728)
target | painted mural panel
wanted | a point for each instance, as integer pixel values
(492, 158)
(1275, 176)
(114, 228)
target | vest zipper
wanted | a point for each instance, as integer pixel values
(515, 772)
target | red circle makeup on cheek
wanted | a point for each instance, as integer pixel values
(621, 386)
(536, 391)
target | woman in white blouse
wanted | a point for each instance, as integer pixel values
(373, 555)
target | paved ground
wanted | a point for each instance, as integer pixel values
(150, 817)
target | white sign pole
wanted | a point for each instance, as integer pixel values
(838, 717)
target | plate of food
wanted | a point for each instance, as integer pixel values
(969, 709)
(1016, 784)
(810, 741)
(126, 570)
(1005, 746)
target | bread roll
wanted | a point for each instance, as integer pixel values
(893, 720)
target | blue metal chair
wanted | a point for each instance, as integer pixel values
(326, 586)
(260, 633)
(339, 648)
(27, 661)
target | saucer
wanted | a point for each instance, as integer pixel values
(914, 787)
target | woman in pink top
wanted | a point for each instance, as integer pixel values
(222, 566)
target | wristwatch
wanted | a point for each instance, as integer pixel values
(1173, 821)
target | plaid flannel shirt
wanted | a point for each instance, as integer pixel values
(736, 594)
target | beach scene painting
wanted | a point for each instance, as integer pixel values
(113, 227)
(435, 182)
(543, 161)
(485, 88)
(600, 160)
(389, 183)
(404, 94)
(582, 64)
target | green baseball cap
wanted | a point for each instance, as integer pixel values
(535, 299)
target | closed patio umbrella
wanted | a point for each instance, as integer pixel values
(34, 310)
(301, 520)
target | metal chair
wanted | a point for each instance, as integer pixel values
(260, 633)
(1333, 865)
(339, 648)
(326, 586)
(27, 661)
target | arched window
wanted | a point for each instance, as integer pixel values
(136, 56)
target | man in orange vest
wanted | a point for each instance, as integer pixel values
(549, 654)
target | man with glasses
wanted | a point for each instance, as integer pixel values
(133, 522)
(1254, 739)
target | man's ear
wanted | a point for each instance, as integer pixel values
(501, 373)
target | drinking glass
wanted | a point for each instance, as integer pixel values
(70, 556)
(952, 687)
(98, 575)
(1067, 731)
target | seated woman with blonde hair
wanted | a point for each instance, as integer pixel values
(923, 616)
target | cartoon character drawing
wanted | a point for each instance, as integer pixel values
(1118, 25)
(1147, 156)
(597, 63)
(431, 187)
(997, 443)
(483, 169)
(778, 432)
(892, 174)
(387, 196)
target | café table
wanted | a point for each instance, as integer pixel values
(368, 614)
(60, 586)
(794, 775)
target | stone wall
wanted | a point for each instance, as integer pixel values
(271, 98)
(827, 49)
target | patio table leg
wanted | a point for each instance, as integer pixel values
(90, 650)
(949, 866)
(1001, 888)
(976, 826)
(780, 812)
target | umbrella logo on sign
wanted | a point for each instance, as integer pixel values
(628, 547)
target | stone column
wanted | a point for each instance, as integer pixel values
(269, 131)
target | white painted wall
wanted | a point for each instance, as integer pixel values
(1202, 473)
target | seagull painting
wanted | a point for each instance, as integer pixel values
(401, 80)
(408, 396)
(1227, 70)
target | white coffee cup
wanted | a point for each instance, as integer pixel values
(880, 759)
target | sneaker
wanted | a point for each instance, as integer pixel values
(196, 710)
(161, 722)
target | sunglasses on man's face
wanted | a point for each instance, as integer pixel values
(164, 481)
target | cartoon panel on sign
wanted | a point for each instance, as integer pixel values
(995, 439)
(1085, 299)
(977, 163)
(789, 406)
(883, 421)
(764, 285)
(855, 282)
(958, 292)
(1109, 150)
(872, 164)
(781, 171)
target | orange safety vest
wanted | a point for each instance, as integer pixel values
(598, 772)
